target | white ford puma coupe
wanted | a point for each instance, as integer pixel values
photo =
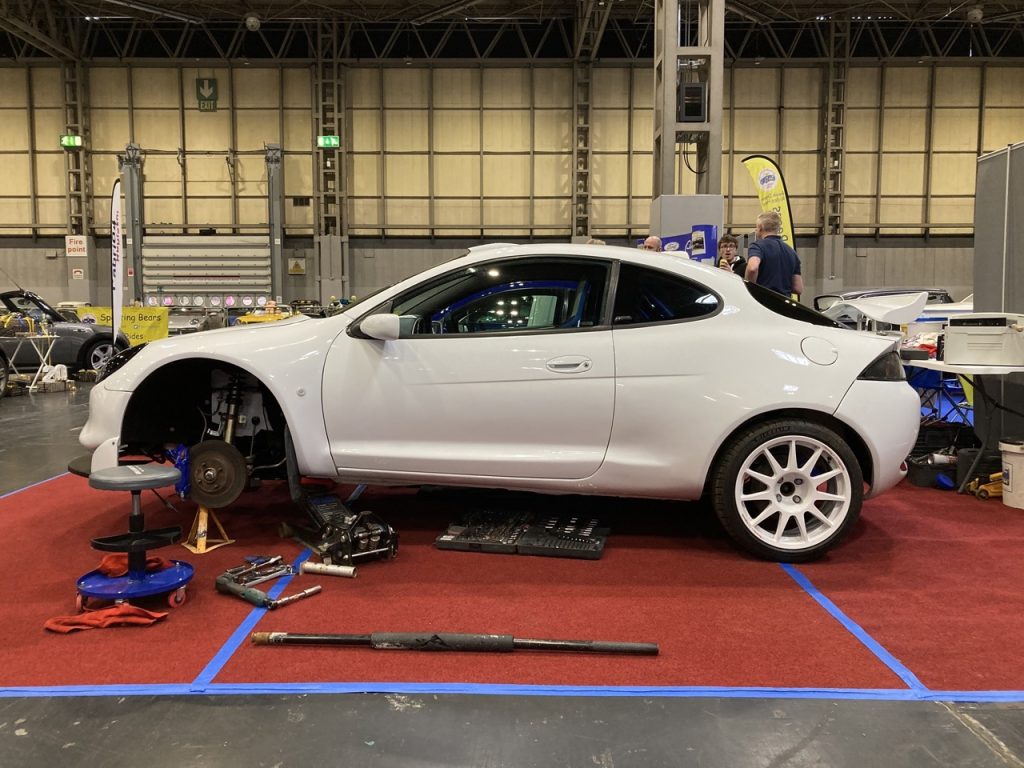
(549, 368)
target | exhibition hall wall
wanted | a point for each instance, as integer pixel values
(485, 153)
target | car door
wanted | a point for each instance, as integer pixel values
(505, 369)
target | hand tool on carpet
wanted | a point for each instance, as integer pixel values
(348, 571)
(451, 641)
(240, 581)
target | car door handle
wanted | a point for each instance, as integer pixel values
(569, 364)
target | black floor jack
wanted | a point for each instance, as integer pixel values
(338, 535)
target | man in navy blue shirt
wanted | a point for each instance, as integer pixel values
(770, 261)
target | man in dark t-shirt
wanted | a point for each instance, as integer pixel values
(770, 261)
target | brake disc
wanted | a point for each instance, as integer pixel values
(218, 473)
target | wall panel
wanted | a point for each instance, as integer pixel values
(552, 177)
(456, 87)
(13, 129)
(456, 176)
(297, 85)
(904, 130)
(1003, 86)
(756, 86)
(506, 88)
(406, 175)
(46, 87)
(405, 87)
(506, 176)
(457, 131)
(552, 88)
(255, 128)
(955, 129)
(405, 130)
(610, 129)
(256, 87)
(158, 87)
(157, 129)
(109, 129)
(552, 129)
(506, 130)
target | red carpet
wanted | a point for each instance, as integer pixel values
(938, 579)
(930, 576)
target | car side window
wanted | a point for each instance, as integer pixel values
(646, 295)
(512, 296)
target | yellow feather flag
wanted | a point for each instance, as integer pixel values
(771, 191)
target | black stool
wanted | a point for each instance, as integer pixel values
(137, 582)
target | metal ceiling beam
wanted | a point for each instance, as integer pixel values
(440, 13)
(135, 5)
(39, 26)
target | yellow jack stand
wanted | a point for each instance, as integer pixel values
(198, 540)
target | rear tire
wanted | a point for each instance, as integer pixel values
(788, 490)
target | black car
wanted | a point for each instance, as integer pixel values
(309, 307)
(78, 345)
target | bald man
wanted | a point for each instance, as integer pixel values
(652, 243)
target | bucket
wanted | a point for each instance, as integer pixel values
(1013, 472)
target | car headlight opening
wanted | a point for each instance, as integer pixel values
(118, 361)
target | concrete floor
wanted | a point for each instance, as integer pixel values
(38, 435)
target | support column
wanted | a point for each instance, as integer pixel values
(275, 212)
(330, 241)
(130, 166)
(688, 87)
(835, 126)
(591, 20)
(78, 189)
(581, 155)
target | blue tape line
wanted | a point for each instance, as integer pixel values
(240, 635)
(856, 630)
(33, 485)
(277, 689)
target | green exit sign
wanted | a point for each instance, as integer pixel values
(70, 141)
(328, 142)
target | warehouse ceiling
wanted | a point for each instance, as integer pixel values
(438, 30)
(424, 11)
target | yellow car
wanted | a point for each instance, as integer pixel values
(265, 315)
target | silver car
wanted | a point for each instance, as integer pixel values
(194, 319)
(78, 345)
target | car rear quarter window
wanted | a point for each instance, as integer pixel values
(785, 306)
(646, 295)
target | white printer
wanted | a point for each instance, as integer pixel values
(985, 338)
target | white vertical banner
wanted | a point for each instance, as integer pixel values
(116, 257)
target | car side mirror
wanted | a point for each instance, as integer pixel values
(386, 327)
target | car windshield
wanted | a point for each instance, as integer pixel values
(785, 306)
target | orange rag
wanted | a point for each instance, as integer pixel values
(122, 614)
(117, 564)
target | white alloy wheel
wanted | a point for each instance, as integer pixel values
(793, 492)
(788, 490)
